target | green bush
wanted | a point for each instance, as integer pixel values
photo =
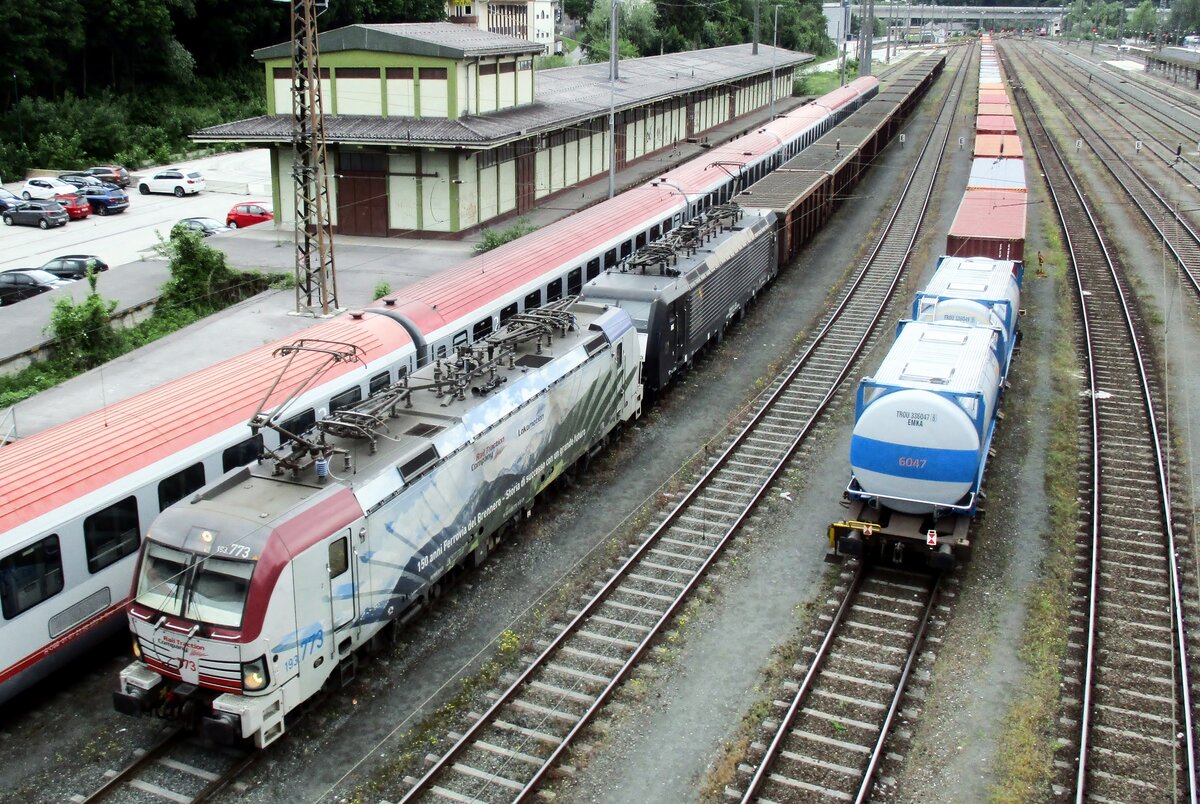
(82, 331)
(494, 238)
(381, 289)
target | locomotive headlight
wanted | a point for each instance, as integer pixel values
(137, 649)
(254, 675)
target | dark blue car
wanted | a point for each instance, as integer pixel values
(105, 198)
(8, 200)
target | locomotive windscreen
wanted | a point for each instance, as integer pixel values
(200, 588)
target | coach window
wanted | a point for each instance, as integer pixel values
(640, 241)
(339, 557)
(298, 424)
(626, 248)
(593, 268)
(482, 328)
(533, 300)
(378, 382)
(554, 291)
(345, 399)
(610, 258)
(654, 235)
(111, 534)
(666, 225)
(29, 576)
(179, 485)
(459, 340)
(507, 312)
(575, 282)
(242, 454)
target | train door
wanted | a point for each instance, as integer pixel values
(342, 587)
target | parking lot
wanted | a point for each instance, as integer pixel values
(132, 235)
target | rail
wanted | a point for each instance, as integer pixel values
(1113, 351)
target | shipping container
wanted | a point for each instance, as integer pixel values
(995, 124)
(997, 174)
(998, 146)
(989, 223)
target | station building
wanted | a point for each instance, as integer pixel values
(434, 128)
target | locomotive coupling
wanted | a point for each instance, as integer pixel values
(137, 693)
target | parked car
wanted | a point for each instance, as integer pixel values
(45, 188)
(8, 199)
(113, 174)
(205, 226)
(173, 180)
(74, 266)
(80, 179)
(21, 283)
(106, 199)
(76, 205)
(248, 214)
(43, 213)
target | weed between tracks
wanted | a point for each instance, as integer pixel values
(1024, 762)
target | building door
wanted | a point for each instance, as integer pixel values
(362, 194)
(619, 149)
(526, 175)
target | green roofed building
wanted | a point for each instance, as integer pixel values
(434, 128)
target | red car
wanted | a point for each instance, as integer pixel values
(248, 214)
(76, 205)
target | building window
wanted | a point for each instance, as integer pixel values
(487, 68)
(399, 73)
(433, 73)
(111, 534)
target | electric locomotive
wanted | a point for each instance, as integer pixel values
(257, 591)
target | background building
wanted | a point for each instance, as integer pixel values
(436, 128)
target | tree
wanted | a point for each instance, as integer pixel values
(637, 32)
(1185, 16)
(1144, 19)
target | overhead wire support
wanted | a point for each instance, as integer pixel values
(316, 279)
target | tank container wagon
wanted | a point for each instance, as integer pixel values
(258, 591)
(924, 422)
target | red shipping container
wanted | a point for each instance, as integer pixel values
(991, 86)
(989, 223)
(995, 108)
(998, 146)
(993, 97)
(995, 124)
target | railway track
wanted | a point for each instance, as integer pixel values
(1155, 204)
(830, 741)
(511, 747)
(1129, 705)
(1171, 112)
(178, 768)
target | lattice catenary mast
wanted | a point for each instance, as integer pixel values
(316, 281)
